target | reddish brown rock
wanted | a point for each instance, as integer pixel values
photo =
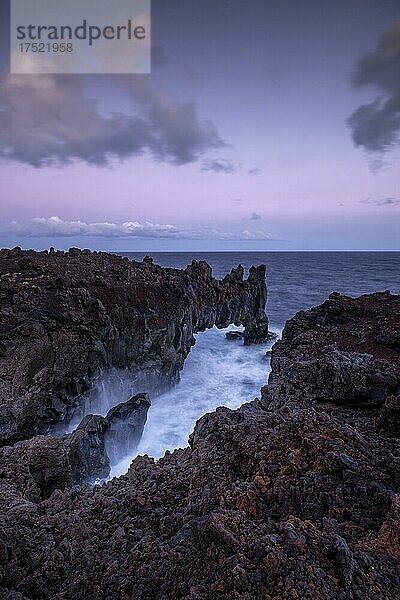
(65, 317)
(290, 496)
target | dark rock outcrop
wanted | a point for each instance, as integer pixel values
(345, 351)
(124, 427)
(291, 496)
(64, 317)
(86, 450)
(234, 335)
(33, 469)
(99, 441)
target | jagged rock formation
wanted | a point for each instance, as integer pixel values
(66, 316)
(346, 351)
(98, 441)
(37, 467)
(86, 451)
(295, 495)
(124, 427)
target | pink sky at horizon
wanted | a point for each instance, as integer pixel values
(277, 103)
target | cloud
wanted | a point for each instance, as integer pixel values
(381, 201)
(55, 226)
(43, 226)
(259, 235)
(255, 217)
(254, 172)
(245, 235)
(49, 120)
(375, 126)
(219, 165)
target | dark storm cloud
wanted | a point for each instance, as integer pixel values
(177, 134)
(382, 201)
(255, 217)
(219, 165)
(376, 125)
(47, 120)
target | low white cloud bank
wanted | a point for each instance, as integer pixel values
(55, 226)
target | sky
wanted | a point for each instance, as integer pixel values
(265, 125)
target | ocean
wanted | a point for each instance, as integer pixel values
(220, 372)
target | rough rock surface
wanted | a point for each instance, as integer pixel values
(293, 496)
(66, 316)
(98, 441)
(86, 450)
(124, 427)
(31, 470)
(346, 351)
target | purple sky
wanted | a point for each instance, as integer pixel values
(240, 139)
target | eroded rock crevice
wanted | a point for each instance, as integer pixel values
(66, 317)
(294, 495)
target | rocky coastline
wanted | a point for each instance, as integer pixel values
(67, 316)
(295, 495)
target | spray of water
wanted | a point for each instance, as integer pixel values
(217, 372)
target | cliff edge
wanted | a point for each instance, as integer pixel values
(65, 317)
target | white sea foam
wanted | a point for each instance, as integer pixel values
(217, 372)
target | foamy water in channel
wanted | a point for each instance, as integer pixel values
(217, 372)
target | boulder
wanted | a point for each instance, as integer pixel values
(86, 450)
(124, 426)
(234, 335)
(98, 441)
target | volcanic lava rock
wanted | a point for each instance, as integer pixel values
(33, 469)
(98, 441)
(65, 317)
(234, 335)
(344, 351)
(389, 419)
(339, 377)
(124, 427)
(86, 450)
(294, 495)
(286, 497)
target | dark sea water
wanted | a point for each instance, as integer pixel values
(222, 372)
